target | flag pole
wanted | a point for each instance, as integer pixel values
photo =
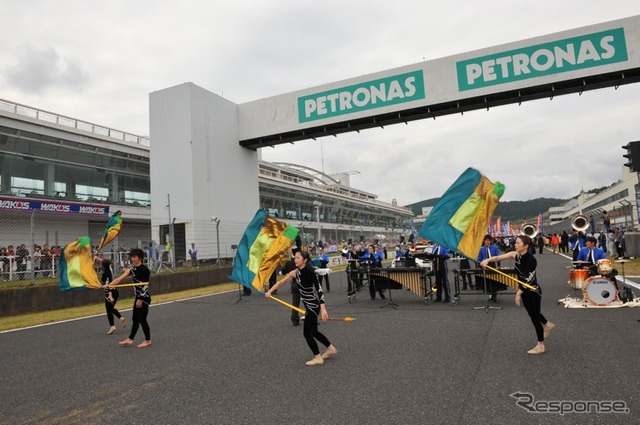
(299, 310)
(128, 284)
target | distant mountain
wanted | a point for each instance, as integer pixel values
(509, 210)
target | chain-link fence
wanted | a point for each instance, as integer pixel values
(31, 242)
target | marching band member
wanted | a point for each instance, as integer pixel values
(323, 258)
(373, 261)
(576, 243)
(401, 252)
(591, 254)
(525, 266)
(351, 256)
(488, 251)
(441, 273)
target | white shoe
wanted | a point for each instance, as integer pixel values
(315, 362)
(329, 353)
(111, 330)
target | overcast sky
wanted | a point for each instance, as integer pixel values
(99, 60)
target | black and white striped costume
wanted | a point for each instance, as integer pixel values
(312, 296)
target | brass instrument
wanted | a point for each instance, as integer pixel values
(580, 223)
(529, 230)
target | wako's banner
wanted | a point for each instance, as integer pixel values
(25, 204)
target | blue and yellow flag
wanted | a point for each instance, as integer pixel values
(113, 229)
(76, 266)
(460, 219)
(263, 244)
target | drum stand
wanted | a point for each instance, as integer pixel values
(486, 307)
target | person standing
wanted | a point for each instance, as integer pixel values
(110, 297)
(323, 258)
(373, 262)
(193, 253)
(441, 273)
(576, 242)
(555, 242)
(540, 241)
(564, 242)
(618, 239)
(489, 252)
(46, 262)
(313, 300)
(606, 220)
(22, 254)
(142, 300)
(36, 260)
(525, 266)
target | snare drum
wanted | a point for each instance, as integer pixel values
(577, 278)
(600, 291)
(604, 267)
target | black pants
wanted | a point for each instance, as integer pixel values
(442, 280)
(373, 289)
(531, 301)
(140, 319)
(311, 332)
(111, 306)
(326, 279)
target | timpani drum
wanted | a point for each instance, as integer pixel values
(600, 291)
(604, 267)
(577, 278)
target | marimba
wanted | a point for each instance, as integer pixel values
(415, 279)
(510, 280)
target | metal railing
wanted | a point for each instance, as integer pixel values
(53, 118)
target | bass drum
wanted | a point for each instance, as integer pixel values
(600, 291)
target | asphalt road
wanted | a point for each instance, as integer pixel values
(218, 361)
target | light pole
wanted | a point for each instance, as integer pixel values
(301, 226)
(217, 221)
(317, 205)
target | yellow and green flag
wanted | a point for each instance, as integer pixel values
(76, 266)
(263, 244)
(460, 219)
(113, 229)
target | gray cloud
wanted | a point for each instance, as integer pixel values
(40, 68)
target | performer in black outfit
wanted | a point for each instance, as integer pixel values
(525, 267)
(140, 274)
(110, 297)
(313, 299)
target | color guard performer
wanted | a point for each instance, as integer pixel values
(525, 266)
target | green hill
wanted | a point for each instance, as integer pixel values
(509, 211)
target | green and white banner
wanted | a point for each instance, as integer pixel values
(363, 96)
(570, 54)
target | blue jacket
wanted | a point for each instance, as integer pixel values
(483, 254)
(438, 249)
(598, 254)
